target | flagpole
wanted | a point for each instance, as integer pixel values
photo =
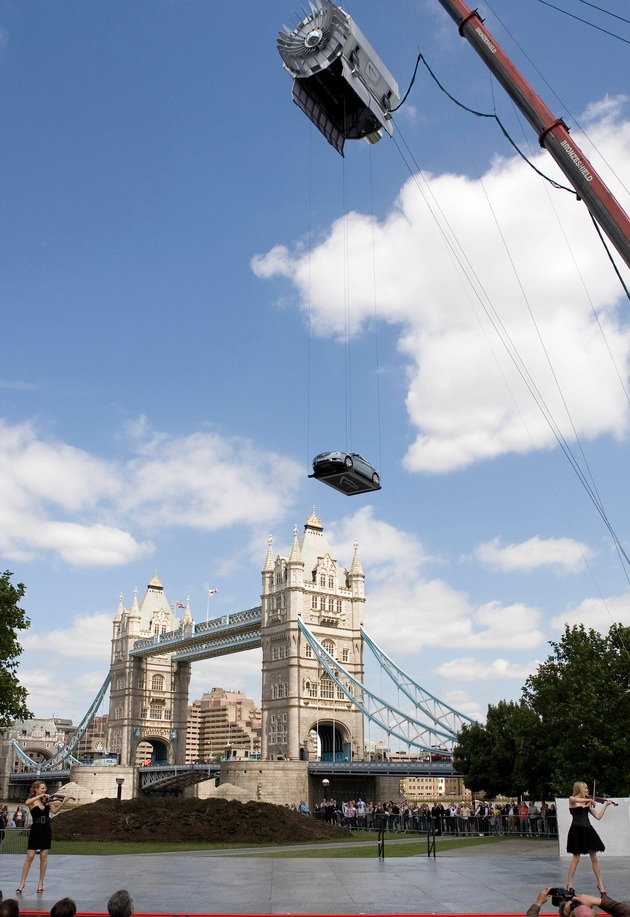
(208, 606)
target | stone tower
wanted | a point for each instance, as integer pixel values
(148, 702)
(304, 713)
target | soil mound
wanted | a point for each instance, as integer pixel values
(175, 819)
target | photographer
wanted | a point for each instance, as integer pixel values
(614, 908)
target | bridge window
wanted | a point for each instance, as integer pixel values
(340, 694)
(339, 606)
(331, 582)
(314, 601)
(167, 714)
(156, 628)
(144, 713)
(327, 688)
(322, 604)
(312, 689)
(344, 654)
(331, 604)
(308, 652)
(157, 683)
(322, 582)
(156, 711)
(329, 646)
(164, 628)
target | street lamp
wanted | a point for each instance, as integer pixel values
(119, 785)
(325, 784)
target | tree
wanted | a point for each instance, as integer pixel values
(569, 724)
(581, 697)
(496, 757)
(12, 619)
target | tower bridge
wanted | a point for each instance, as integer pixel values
(309, 625)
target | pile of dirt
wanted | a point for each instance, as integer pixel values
(176, 819)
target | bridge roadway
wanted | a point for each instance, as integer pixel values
(230, 633)
(164, 776)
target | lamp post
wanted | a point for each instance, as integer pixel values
(119, 785)
(325, 784)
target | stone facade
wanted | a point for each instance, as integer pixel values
(304, 714)
(148, 704)
(279, 782)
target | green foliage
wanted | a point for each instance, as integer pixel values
(12, 619)
(581, 695)
(569, 724)
(495, 758)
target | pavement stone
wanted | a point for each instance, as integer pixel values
(499, 879)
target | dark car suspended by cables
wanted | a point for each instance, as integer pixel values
(347, 472)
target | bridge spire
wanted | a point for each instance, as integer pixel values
(268, 568)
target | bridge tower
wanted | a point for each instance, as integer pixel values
(148, 703)
(304, 714)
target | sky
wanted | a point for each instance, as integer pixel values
(199, 295)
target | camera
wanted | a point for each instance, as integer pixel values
(560, 895)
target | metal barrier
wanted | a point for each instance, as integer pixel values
(13, 840)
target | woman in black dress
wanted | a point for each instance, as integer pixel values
(582, 837)
(40, 836)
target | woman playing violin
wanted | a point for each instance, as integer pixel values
(41, 805)
(582, 837)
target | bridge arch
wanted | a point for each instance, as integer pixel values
(153, 750)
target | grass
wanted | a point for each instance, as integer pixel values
(360, 847)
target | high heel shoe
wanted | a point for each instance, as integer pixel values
(40, 889)
(601, 890)
(18, 891)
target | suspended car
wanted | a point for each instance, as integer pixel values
(347, 472)
(339, 82)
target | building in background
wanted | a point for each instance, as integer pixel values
(223, 724)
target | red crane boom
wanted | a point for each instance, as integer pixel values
(553, 134)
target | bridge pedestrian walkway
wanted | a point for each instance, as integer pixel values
(502, 879)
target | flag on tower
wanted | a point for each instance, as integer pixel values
(179, 605)
(212, 591)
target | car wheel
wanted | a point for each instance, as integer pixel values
(348, 462)
(375, 479)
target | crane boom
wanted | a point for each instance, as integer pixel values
(553, 134)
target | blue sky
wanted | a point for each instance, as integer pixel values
(187, 271)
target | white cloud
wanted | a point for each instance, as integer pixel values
(563, 555)
(465, 398)
(88, 637)
(58, 499)
(410, 611)
(597, 613)
(469, 668)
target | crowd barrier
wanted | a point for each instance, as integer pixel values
(454, 826)
(13, 840)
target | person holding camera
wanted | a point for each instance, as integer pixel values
(568, 904)
(41, 806)
(612, 907)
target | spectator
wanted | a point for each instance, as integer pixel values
(65, 907)
(9, 908)
(120, 904)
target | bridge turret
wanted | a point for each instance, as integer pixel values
(303, 715)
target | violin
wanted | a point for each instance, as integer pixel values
(602, 799)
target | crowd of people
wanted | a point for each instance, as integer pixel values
(119, 905)
(455, 818)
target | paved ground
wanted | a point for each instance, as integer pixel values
(501, 879)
